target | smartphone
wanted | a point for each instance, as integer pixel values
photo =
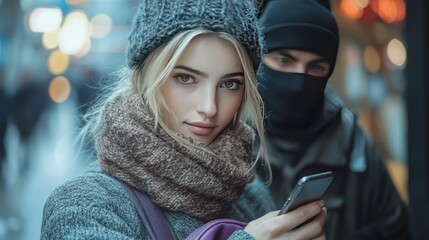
(308, 189)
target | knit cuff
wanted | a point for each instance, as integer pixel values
(241, 235)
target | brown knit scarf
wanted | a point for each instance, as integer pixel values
(176, 178)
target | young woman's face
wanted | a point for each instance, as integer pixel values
(205, 89)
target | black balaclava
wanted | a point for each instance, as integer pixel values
(293, 101)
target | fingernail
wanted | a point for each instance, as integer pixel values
(321, 203)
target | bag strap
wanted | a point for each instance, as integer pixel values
(154, 220)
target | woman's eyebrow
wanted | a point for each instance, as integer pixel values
(192, 70)
(234, 74)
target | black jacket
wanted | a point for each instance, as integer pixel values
(362, 201)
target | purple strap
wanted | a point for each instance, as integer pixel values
(219, 229)
(153, 218)
(159, 228)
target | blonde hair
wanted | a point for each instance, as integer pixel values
(148, 78)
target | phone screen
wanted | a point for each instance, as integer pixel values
(308, 189)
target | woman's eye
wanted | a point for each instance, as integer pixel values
(184, 79)
(231, 85)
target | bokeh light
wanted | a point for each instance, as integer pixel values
(74, 34)
(371, 59)
(45, 19)
(59, 89)
(396, 52)
(352, 9)
(101, 25)
(58, 62)
(360, 3)
(389, 11)
(85, 50)
(76, 2)
(50, 39)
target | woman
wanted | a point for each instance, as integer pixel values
(173, 127)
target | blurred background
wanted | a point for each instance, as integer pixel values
(54, 54)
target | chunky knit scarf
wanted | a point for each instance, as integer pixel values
(177, 178)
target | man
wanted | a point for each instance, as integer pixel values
(310, 131)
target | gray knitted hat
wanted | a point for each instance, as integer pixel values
(157, 21)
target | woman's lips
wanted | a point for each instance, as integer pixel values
(200, 128)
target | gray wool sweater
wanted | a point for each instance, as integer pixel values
(95, 206)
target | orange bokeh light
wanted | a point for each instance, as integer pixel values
(59, 89)
(389, 11)
(351, 10)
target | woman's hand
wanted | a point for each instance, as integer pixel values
(305, 222)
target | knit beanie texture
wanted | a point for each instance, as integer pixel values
(301, 24)
(157, 21)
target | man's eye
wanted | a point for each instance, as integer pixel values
(283, 60)
(318, 70)
(318, 67)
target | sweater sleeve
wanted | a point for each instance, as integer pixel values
(92, 206)
(241, 235)
(255, 202)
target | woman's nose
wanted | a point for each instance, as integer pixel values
(207, 103)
